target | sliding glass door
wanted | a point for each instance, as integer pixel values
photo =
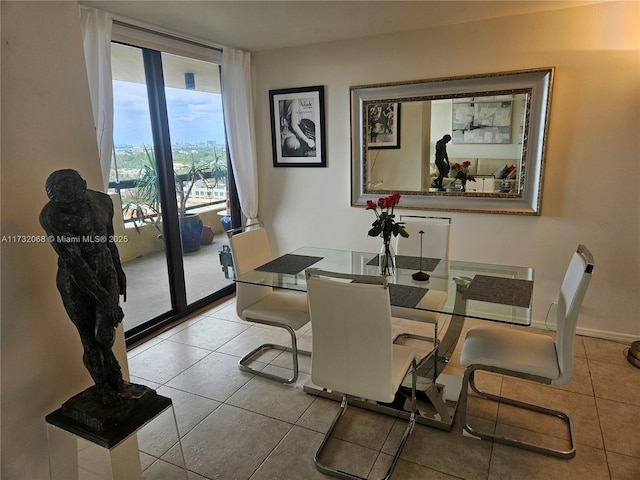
(170, 170)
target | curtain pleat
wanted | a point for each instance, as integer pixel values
(237, 101)
(96, 36)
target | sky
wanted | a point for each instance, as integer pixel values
(193, 116)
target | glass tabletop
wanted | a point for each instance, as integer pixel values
(477, 290)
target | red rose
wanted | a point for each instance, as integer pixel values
(466, 164)
(456, 166)
(370, 205)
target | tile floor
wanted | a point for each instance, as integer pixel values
(235, 425)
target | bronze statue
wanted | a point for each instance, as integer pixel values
(90, 278)
(442, 160)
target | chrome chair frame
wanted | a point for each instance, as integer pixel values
(469, 380)
(295, 351)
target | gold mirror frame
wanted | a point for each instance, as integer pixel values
(536, 84)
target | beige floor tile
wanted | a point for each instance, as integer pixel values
(161, 470)
(146, 460)
(216, 377)
(581, 380)
(271, 398)
(190, 409)
(581, 409)
(511, 462)
(363, 427)
(444, 451)
(620, 382)
(319, 415)
(183, 323)
(253, 337)
(141, 347)
(293, 457)
(620, 426)
(605, 350)
(355, 459)
(142, 381)
(623, 467)
(159, 435)
(480, 407)
(227, 312)
(406, 470)
(165, 360)
(210, 333)
(231, 443)
(579, 349)
(536, 435)
(285, 360)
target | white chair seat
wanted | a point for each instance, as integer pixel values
(402, 358)
(511, 349)
(284, 307)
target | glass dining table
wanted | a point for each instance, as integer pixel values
(456, 289)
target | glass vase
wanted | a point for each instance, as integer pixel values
(386, 259)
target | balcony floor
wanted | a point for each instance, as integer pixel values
(148, 283)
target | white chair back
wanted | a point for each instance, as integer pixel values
(572, 291)
(250, 249)
(352, 343)
(435, 243)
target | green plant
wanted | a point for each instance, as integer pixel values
(144, 205)
(218, 169)
(184, 187)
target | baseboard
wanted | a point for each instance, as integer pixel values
(590, 332)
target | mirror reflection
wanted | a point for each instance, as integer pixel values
(480, 140)
(473, 143)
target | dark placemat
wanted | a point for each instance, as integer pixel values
(405, 295)
(411, 263)
(507, 291)
(289, 264)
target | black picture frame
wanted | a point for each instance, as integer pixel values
(302, 108)
(383, 125)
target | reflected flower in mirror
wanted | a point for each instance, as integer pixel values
(461, 173)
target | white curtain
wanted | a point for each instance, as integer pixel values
(237, 101)
(96, 36)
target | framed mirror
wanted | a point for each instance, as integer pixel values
(497, 124)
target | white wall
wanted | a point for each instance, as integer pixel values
(590, 192)
(47, 124)
(401, 168)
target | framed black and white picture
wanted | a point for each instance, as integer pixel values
(383, 125)
(297, 127)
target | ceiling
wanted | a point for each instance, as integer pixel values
(265, 25)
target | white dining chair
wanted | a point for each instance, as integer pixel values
(260, 304)
(353, 352)
(531, 356)
(434, 243)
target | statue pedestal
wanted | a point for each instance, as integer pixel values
(87, 439)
